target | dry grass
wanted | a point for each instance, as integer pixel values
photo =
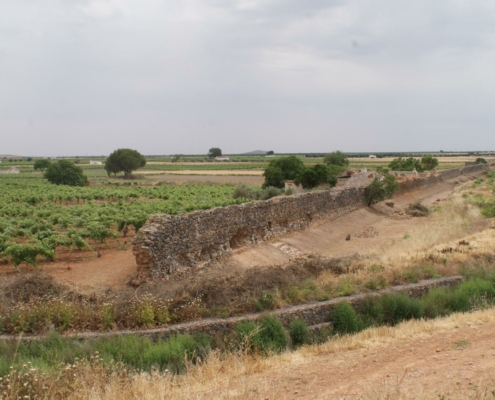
(231, 376)
(453, 220)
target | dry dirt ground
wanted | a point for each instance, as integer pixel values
(452, 358)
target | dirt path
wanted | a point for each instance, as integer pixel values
(448, 362)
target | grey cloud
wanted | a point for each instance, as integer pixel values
(89, 76)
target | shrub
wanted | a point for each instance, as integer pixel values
(242, 191)
(346, 286)
(299, 332)
(268, 335)
(265, 302)
(173, 353)
(418, 210)
(399, 307)
(345, 319)
(488, 210)
(272, 334)
(371, 311)
(477, 288)
(270, 191)
(246, 192)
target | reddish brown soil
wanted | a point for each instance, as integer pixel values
(457, 364)
(111, 270)
(86, 271)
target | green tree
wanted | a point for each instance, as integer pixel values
(214, 152)
(270, 153)
(65, 172)
(480, 160)
(273, 177)
(41, 165)
(310, 177)
(429, 163)
(124, 160)
(336, 158)
(383, 187)
(281, 169)
(406, 164)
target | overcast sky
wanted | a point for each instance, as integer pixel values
(84, 77)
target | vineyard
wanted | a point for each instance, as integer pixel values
(37, 219)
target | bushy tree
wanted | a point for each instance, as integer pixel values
(310, 177)
(429, 163)
(124, 160)
(383, 187)
(273, 177)
(336, 158)
(214, 152)
(41, 165)
(65, 172)
(480, 160)
(270, 153)
(281, 169)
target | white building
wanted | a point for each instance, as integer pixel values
(372, 156)
(91, 162)
(222, 158)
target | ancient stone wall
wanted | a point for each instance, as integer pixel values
(166, 244)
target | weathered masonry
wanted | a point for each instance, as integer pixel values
(168, 243)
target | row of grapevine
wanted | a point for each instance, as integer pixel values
(36, 217)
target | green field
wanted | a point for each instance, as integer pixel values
(37, 217)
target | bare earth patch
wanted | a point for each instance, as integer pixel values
(454, 357)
